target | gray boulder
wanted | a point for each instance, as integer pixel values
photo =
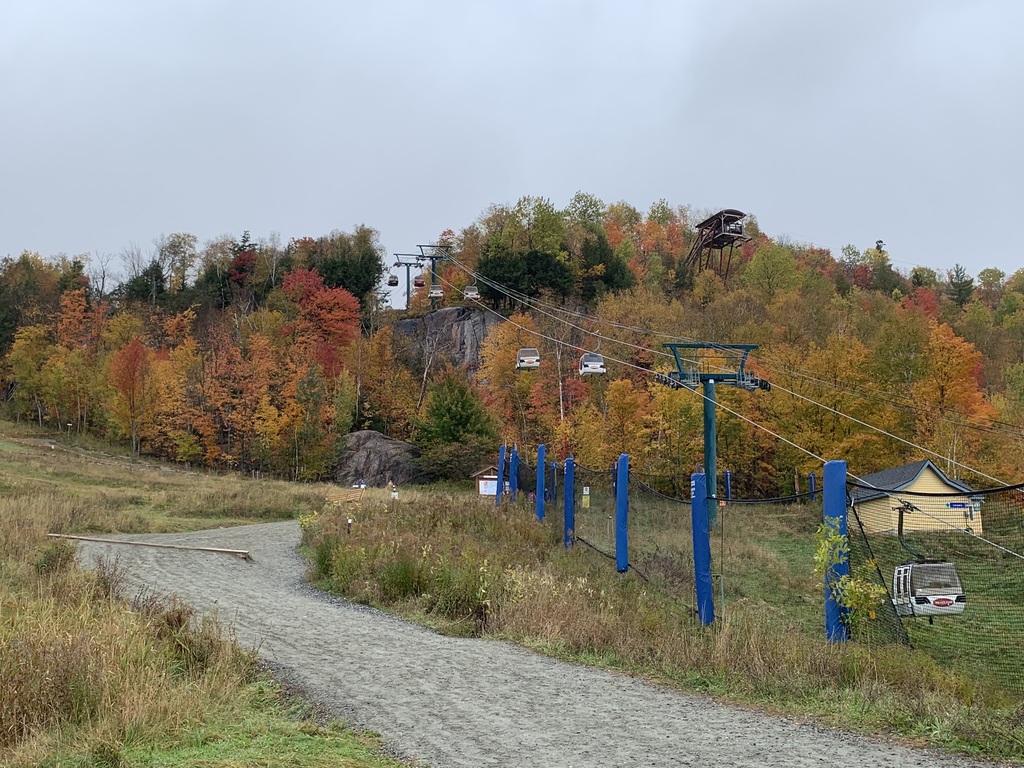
(378, 460)
(453, 332)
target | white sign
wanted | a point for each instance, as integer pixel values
(586, 490)
(488, 487)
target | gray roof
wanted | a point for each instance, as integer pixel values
(898, 478)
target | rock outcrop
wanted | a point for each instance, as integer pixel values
(378, 460)
(453, 332)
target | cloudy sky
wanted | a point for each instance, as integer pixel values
(832, 122)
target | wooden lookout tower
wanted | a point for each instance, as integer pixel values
(717, 237)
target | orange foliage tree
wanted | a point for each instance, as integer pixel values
(134, 392)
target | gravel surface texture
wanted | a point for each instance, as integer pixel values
(453, 702)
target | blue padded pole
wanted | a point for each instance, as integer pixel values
(541, 454)
(569, 499)
(834, 492)
(622, 515)
(701, 549)
(501, 476)
(513, 475)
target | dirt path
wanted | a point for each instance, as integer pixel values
(458, 702)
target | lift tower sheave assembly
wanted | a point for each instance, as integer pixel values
(717, 238)
(703, 364)
(408, 260)
(431, 253)
(434, 253)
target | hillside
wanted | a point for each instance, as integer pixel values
(259, 357)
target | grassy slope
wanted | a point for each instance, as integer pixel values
(175, 696)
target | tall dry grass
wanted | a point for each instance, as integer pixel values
(467, 566)
(82, 668)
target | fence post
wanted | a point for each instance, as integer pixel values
(569, 499)
(622, 514)
(513, 475)
(812, 485)
(501, 476)
(834, 492)
(541, 451)
(701, 549)
(553, 484)
(727, 480)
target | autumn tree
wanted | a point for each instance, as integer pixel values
(30, 289)
(508, 392)
(27, 360)
(387, 389)
(177, 255)
(949, 396)
(134, 394)
(354, 262)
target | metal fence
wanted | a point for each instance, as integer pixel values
(954, 579)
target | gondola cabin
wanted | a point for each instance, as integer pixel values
(528, 359)
(471, 292)
(927, 588)
(419, 282)
(435, 292)
(592, 363)
(393, 280)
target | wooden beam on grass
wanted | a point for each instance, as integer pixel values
(242, 553)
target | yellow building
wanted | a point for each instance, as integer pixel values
(930, 501)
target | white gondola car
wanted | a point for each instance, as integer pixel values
(528, 359)
(927, 588)
(435, 292)
(471, 292)
(592, 363)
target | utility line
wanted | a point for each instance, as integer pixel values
(531, 302)
(796, 372)
(774, 434)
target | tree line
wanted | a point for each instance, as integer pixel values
(257, 355)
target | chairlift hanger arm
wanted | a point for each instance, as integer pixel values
(905, 506)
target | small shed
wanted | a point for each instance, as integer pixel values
(486, 481)
(952, 505)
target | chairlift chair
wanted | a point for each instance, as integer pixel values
(528, 359)
(435, 292)
(471, 292)
(591, 364)
(393, 280)
(927, 588)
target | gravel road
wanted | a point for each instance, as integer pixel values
(452, 702)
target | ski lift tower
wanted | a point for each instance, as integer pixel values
(434, 253)
(717, 237)
(703, 364)
(408, 260)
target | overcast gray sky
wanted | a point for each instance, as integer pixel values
(832, 122)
